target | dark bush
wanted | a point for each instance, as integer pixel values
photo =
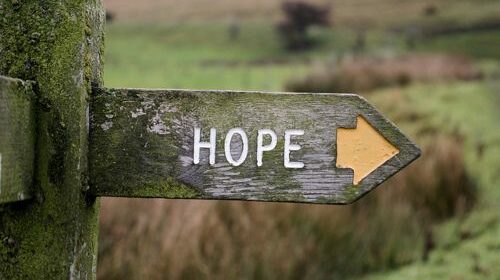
(299, 17)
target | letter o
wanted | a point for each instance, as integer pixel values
(227, 146)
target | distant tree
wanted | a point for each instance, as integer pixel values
(299, 17)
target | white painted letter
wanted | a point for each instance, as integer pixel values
(292, 147)
(260, 139)
(207, 145)
(227, 146)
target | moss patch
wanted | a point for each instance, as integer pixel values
(169, 188)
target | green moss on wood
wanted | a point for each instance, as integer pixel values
(169, 188)
(58, 45)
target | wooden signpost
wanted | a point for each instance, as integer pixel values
(317, 148)
(67, 141)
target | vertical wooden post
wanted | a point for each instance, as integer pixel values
(57, 44)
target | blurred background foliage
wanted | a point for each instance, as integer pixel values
(432, 67)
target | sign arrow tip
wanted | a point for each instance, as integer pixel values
(362, 149)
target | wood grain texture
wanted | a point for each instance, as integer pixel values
(141, 145)
(17, 139)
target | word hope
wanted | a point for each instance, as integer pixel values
(261, 147)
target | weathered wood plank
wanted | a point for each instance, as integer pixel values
(142, 144)
(17, 139)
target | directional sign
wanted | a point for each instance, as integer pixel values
(17, 139)
(316, 148)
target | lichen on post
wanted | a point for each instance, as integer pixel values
(58, 46)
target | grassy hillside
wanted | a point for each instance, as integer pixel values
(202, 56)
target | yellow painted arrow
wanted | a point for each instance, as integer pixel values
(363, 149)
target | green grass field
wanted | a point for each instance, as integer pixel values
(201, 56)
